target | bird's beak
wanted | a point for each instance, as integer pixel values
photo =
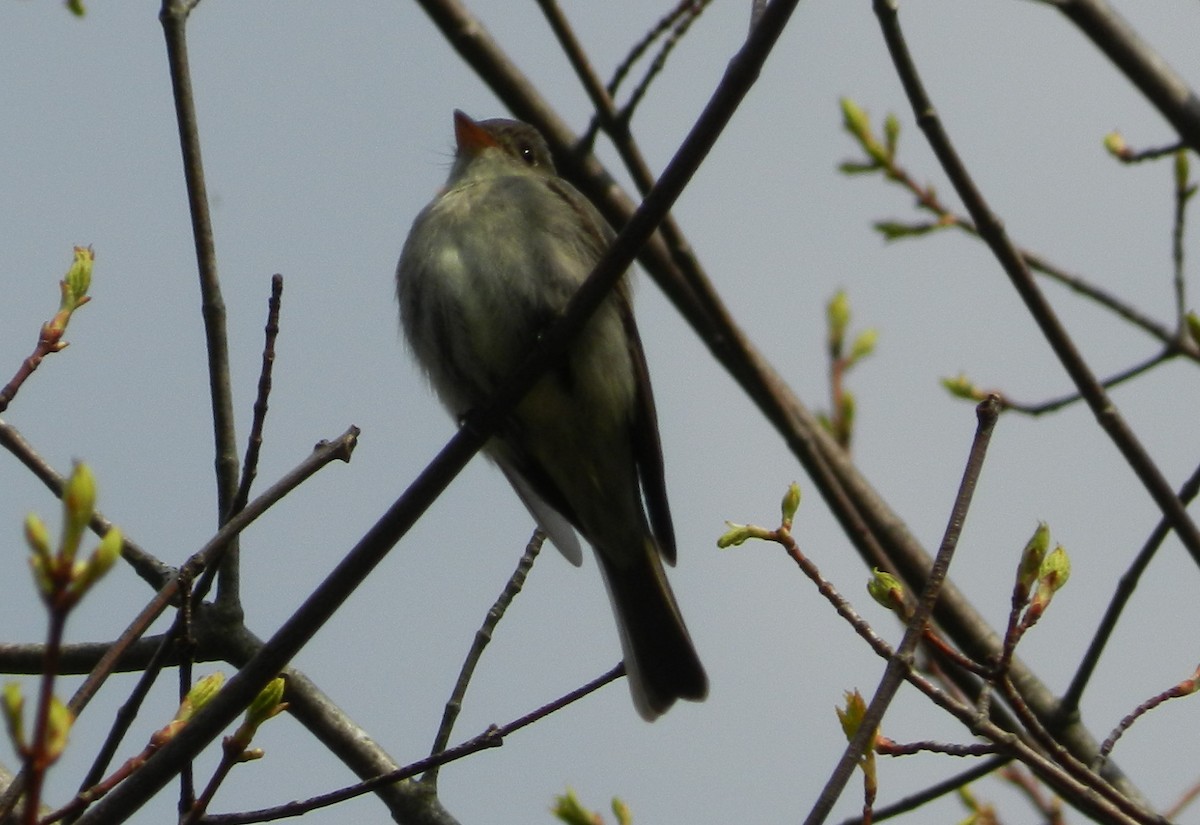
(470, 136)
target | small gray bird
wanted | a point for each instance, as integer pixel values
(488, 266)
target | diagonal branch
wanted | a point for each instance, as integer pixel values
(173, 16)
(902, 660)
(483, 637)
(992, 231)
(153, 571)
(1144, 67)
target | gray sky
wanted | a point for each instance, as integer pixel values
(326, 128)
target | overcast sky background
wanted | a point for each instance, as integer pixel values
(326, 127)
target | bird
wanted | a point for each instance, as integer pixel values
(488, 265)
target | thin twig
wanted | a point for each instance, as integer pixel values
(1188, 797)
(1085, 795)
(1048, 805)
(1185, 688)
(1120, 598)
(886, 747)
(600, 96)
(690, 12)
(185, 643)
(1062, 757)
(228, 596)
(926, 199)
(493, 737)
(482, 637)
(125, 716)
(324, 453)
(1184, 189)
(901, 661)
(642, 46)
(120, 656)
(36, 757)
(940, 789)
(939, 648)
(49, 342)
(254, 442)
(150, 569)
(1114, 380)
(1128, 155)
(1106, 299)
(173, 16)
(606, 115)
(993, 233)
(1155, 79)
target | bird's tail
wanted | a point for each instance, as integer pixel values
(661, 664)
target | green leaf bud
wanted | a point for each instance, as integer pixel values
(102, 559)
(737, 534)
(790, 503)
(60, 720)
(1193, 325)
(864, 344)
(1114, 144)
(269, 702)
(79, 277)
(37, 536)
(570, 810)
(200, 695)
(14, 711)
(852, 716)
(1032, 557)
(1055, 570)
(886, 589)
(855, 120)
(1181, 170)
(79, 502)
(891, 133)
(960, 386)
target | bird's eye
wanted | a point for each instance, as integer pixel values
(527, 155)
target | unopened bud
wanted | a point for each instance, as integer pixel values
(790, 503)
(1055, 569)
(852, 716)
(891, 133)
(79, 502)
(58, 728)
(1032, 556)
(886, 589)
(14, 710)
(1181, 170)
(737, 534)
(101, 561)
(864, 344)
(267, 703)
(960, 386)
(79, 276)
(200, 695)
(1114, 143)
(854, 119)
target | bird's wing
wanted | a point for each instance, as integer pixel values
(647, 446)
(553, 524)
